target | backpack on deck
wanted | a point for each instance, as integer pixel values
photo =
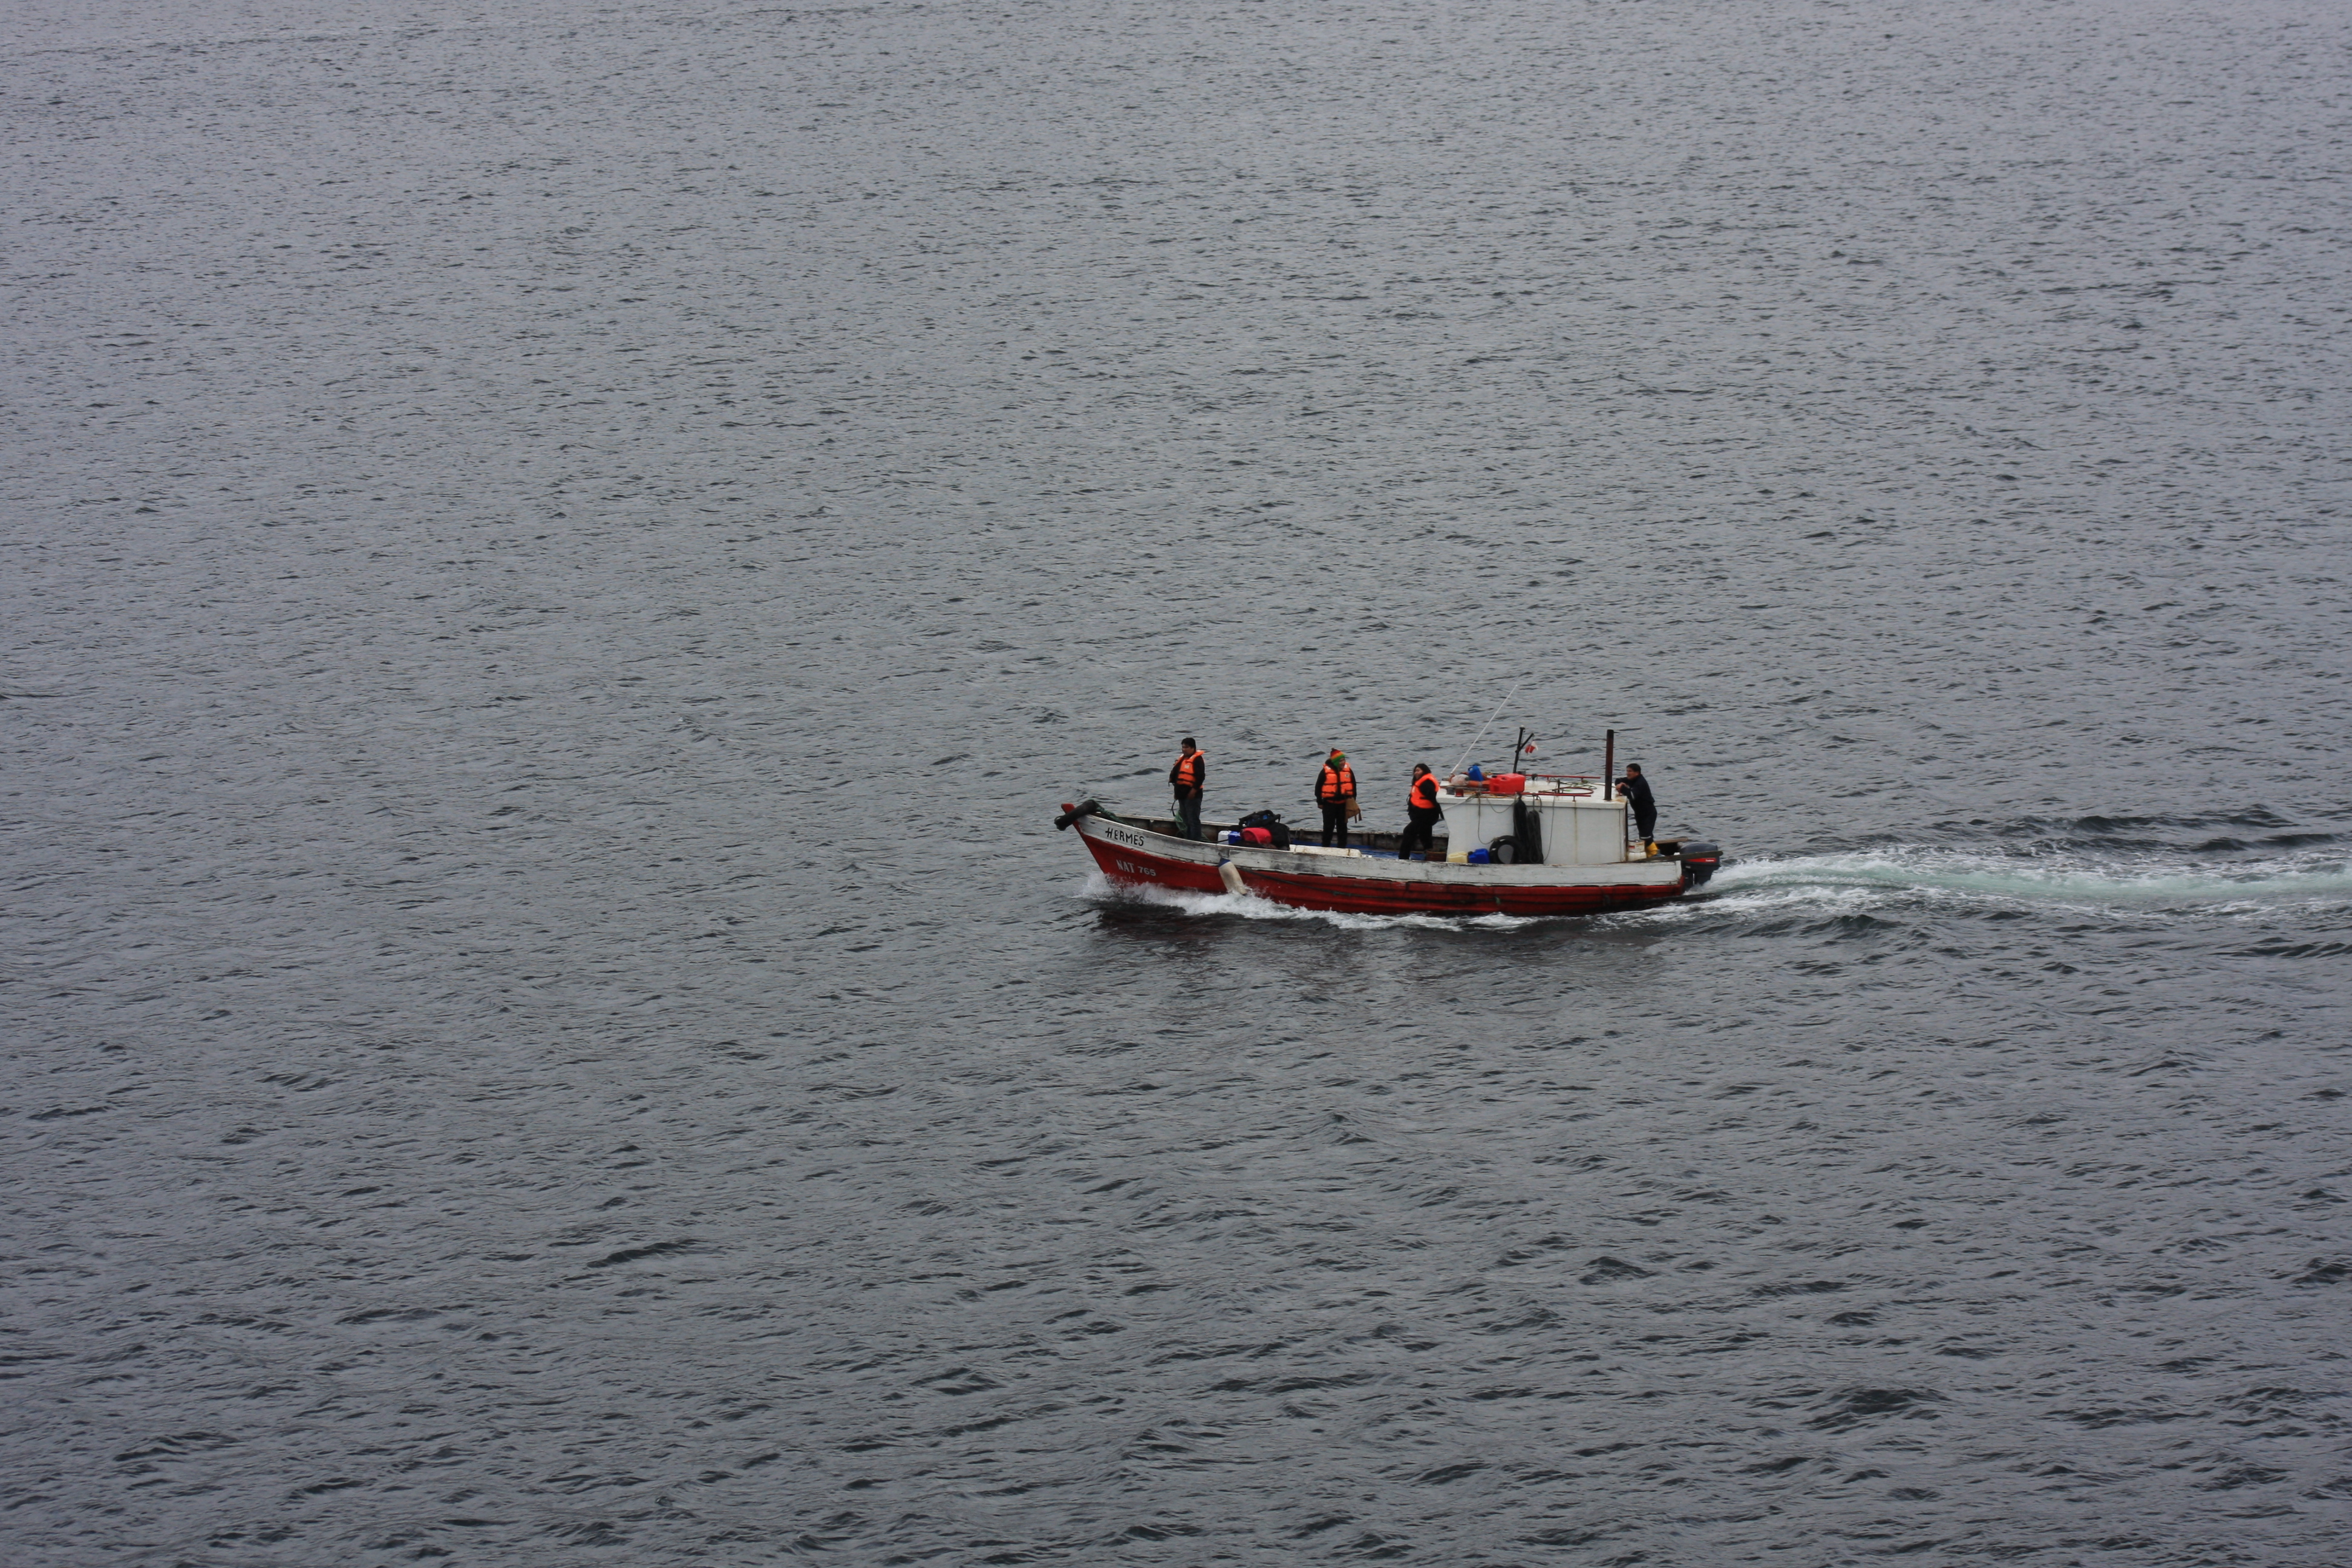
(1277, 831)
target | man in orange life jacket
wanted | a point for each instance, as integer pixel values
(1189, 778)
(1335, 791)
(1421, 805)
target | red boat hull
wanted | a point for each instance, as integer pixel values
(1372, 895)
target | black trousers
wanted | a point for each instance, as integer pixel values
(1417, 833)
(1645, 821)
(1188, 812)
(1335, 820)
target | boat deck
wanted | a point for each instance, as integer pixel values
(1308, 841)
(1144, 852)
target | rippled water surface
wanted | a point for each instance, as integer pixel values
(560, 560)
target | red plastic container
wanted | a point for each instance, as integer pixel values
(1257, 836)
(1506, 784)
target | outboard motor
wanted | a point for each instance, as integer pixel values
(1699, 860)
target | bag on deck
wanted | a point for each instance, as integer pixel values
(1269, 823)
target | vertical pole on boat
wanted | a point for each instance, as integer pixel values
(1609, 769)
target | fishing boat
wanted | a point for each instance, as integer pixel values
(1531, 844)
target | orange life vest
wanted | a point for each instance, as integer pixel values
(1424, 793)
(1188, 771)
(1333, 786)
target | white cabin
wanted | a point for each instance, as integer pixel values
(1581, 826)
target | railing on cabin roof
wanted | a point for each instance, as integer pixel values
(1536, 784)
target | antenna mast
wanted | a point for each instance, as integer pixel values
(1481, 735)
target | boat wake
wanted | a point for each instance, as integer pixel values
(2059, 881)
(1895, 877)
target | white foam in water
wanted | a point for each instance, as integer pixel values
(1862, 881)
(1248, 906)
(1869, 876)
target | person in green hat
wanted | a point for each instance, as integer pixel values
(1335, 791)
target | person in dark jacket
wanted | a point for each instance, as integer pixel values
(1636, 789)
(1422, 812)
(1189, 778)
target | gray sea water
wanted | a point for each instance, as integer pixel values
(559, 559)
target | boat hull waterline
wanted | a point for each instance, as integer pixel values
(1308, 878)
